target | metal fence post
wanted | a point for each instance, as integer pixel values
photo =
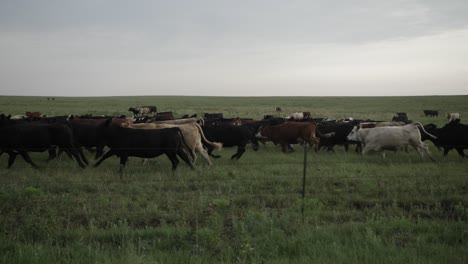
(304, 180)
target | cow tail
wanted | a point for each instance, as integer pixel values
(328, 135)
(422, 128)
(202, 121)
(185, 144)
(217, 146)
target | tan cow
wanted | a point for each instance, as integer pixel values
(181, 121)
(192, 133)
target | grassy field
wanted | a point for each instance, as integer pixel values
(356, 209)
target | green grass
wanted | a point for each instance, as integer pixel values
(356, 209)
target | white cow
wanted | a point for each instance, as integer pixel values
(453, 116)
(295, 116)
(391, 138)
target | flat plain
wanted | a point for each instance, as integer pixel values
(356, 209)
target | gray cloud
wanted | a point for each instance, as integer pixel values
(232, 48)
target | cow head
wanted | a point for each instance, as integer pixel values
(353, 135)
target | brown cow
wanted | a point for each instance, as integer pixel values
(292, 133)
(307, 115)
(161, 116)
(34, 115)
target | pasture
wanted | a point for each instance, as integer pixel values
(356, 209)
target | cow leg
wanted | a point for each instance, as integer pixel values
(123, 162)
(406, 149)
(423, 148)
(210, 152)
(204, 154)
(90, 150)
(82, 156)
(239, 153)
(255, 145)
(61, 150)
(181, 153)
(460, 152)
(366, 149)
(99, 152)
(52, 153)
(11, 158)
(27, 158)
(358, 148)
(173, 158)
(106, 155)
(446, 150)
(76, 154)
(284, 147)
(193, 155)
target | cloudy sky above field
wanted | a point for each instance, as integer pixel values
(233, 48)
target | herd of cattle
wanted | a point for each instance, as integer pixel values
(149, 134)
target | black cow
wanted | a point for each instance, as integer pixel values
(453, 135)
(88, 133)
(401, 117)
(213, 115)
(232, 136)
(21, 138)
(431, 113)
(341, 131)
(143, 143)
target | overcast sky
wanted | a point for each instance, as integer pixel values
(233, 48)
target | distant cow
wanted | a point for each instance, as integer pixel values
(452, 116)
(401, 117)
(292, 133)
(213, 115)
(453, 135)
(297, 116)
(391, 138)
(278, 109)
(162, 116)
(143, 110)
(431, 113)
(126, 142)
(34, 115)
